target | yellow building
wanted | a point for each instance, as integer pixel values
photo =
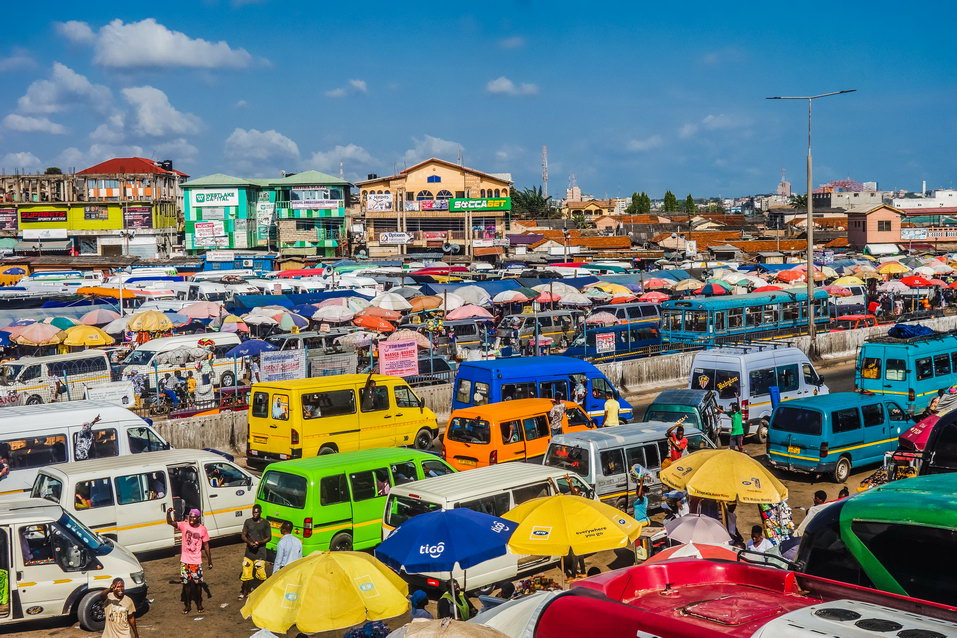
(434, 204)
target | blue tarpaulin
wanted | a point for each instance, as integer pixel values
(244, 303)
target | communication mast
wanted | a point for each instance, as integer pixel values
(545, 171)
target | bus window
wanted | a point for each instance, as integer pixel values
(481, 393)
(753, 316)
(896, 370)
(735, 318)
(871, 368)
(761, 381)
(925, 369)
(771, 313)
(846, 420)
(260, 405)
(788, 378)
(789, 311)
(696, 321)
(672, 320)
(464, 391)
(941, 365)
(551, 389)
(719, 321)
(518, 391)
(600, 387)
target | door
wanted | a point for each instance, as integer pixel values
(876, 427)
(611, 481)
(536, 431)
(377, 422)
(92, 502)
(42, 583)
(141, 502)
(369, 490)
(229, 494)
(897, 423)
(329, 418)
(9, 583)
(847, 432)
(409, 415)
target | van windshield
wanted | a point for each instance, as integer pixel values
(86, 536)
(568, 457)
(399, 509)
(465, 430)
(668, 416)
(9, 372)
(139, 357)
(797, 421)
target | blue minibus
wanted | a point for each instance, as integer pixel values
(615, 343)
(909, 370)
(481, 382)
(834, 433)
(638, 312)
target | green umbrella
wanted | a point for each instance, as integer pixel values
(60, 322)
(528, 292)
(720, 282)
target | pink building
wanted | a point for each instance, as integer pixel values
(878, 225)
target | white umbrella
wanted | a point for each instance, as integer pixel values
(451, 301)
(474, 295)
(559, 288)
(333, 314)
(255, 319)
(574, 299)
(697, 528)
(116, 326)
(355, 339)
(894, 285)
(391, 301)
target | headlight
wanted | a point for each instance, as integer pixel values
(138, 578)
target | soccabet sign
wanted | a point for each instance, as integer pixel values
(496, 203)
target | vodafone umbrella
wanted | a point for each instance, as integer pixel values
(916, 281)
(654, 297)
(469, 311)
(373, 323)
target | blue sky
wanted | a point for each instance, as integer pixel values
(627, 96)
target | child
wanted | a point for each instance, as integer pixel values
(758, 542)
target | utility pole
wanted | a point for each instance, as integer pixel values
(545, 171)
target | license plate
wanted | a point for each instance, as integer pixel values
(260, 439)
(792, 449)
(469, 462)
(275, 524)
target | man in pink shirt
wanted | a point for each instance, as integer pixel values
(195, 542)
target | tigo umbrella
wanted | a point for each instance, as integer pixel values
(469, 311)
(697, 528)
(89, 336)
(695, 550)
(724, 475)
(251, 348)
(99, 317)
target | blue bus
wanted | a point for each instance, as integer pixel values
(909, 370)
(481, 382)
(615, 343)
(759, 315)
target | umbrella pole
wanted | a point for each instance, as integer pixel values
(563, 571)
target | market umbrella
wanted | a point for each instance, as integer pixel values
(4, 338)
(304, 309)
(177, 319)
(894, 285)
(752, 280)
(547, 297)
(327, 591)
(553, 525)
(711, 289)
(251, 348)
(475, 295)
(446, 628)
(688, 284)
(837, 291)
(953, 286)
(657, 282)
(451, 301)
(720, 282)
(425, 302)
(596, 294)
(892, 268)
(381, 313)
(724, 475)
(407, 292)
(927, 271)
(509, 296)
(333, 314)
(373, 323)
(574, 299)
(623, 298)
(601, 318)
(21, 322)
(916, 281)
(697, 528)
(849, 280)
(420, 339)
(60, 322)
(99, 317)
(290, 320)
(469, 311)
(654, 297)
(870, 274)
(36, 334)
(203, 310)
(768, 289)
(610, 288)
(559, 288)
(259, 319)
(232, 323)
(358, 339)
(117, 326)
(788, 276)
(391, 301)
(694, 550)
(939, 283)
(89, 336)
(149, 321)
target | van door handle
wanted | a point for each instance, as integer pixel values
(388, 416)
(274, 426)
(400, 414)
(19, 576)
(213, 495)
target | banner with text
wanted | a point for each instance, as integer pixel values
(282, 365)
(605, 342)
(214, 197)
(399, 358)
(379, 202)
(496, 203)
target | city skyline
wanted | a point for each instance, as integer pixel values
(627, 98)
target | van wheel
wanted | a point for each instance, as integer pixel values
(341, 542)
(227, 380)
(90, 612)
(622, 504)
(842, 470)
(762, 434)
(34, 399)
(327, 449)
(423, 439)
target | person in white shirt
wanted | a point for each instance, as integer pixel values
(758, 542)
(288, 549)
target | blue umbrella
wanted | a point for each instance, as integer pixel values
(304, 309)
(178, 319)
(440, 540)
(251, 348)
(22, 322)
(14, 271)
(4, 338)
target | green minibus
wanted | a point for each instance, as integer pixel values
(335, 501)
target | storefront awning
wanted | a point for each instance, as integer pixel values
(43, 245)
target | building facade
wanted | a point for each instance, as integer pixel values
(879, 225)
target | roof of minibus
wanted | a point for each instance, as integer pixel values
(177, 340)
(328, 463)
(526, 365)
(27, 510)
(335, 379)
(509, 409)
(834, 401)
(55, 413)
(134, 462)
(622, 434)
(481, 480)
(83, 354)
(923, 500)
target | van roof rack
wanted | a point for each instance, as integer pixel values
(753, 346)
(887, 339)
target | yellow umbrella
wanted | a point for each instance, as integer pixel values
(327, 591)
(86, 336)
(149, 321)
(611, 289)
(893, 268)
(869, 274)
(724, 475)
(551, 525)
(850, 280)
(688, 284)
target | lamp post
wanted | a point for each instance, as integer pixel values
(810, 209)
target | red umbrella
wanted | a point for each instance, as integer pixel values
(953, 286)
(373, 323)
(694, 550)
(790, 275)
(654, 297)
(656, 282)
(916, 281)
(623, 299)
(548, 297)
(768, 289)
(711, 289)
(939, 282)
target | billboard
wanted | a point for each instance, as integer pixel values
(379, 202)
(434, 204)
(394, 239)
(490, 203)
(8, 218)
(138, 217)
(282, 365)
(399, 358)
(95, 213)
(42, 216)
(312, 197)
(264, 217)
(913, 234)
(214, 197)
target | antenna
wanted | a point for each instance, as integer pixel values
(459, 157)
(782, 174)
(545, 171)
(571, 181)
(342, 172)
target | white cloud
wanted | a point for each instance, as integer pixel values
(428, 146)
(112, 131)
(178, 150)
(65, 88)
(645, 144)
(241, 104)
(18, 59)
(515, 42)
(75, 31)
(260, 145)
(353, 87)
(74, 158)
(508, 153)
(340, 92)
(154, 115)
(709, 122)
(352, 156)
(148, 43)
(504, 86)
(22, 159)
(687, 130)
(27, 124)
(359, 85)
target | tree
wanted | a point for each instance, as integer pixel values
(798, 201)
(714, 207)
(670, 204)
(53, 170)
(634, 207)
(531, 203)
(579, 219)
(645, 203)
(690, 207)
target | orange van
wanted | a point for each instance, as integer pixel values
(508, 431)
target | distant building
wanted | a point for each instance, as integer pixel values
(939, 199)
(880, 225)
(784, 188)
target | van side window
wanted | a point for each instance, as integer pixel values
(260, 405)
(333, 490)
(369, 484)
(518, 391)
(35, 452)
(788, 378)
(432, 468)
(599, 387)
(635, 456)
(871, 368)
(224, 475)
(896, 413)
(332, 403)
(612, 462)
(404, 398)
(136, 488)
(481, 393)
(925, 369)
(576, 417)
(535, 427)
(375, 400)
(896, 370)
(93, 494)
(941, 365)
(143, 439)
(403, 472)
(494, 505)
(95, 444)
(281, 488)
(873, 414)
(550, 389)
(528, 492)
(511, 432)
(846, 420)
(31, 373)
(761, 381)
(463, 392)
(953, 360)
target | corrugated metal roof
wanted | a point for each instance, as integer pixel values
(221, 179)
(309, 178)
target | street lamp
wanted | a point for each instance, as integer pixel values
(810, 210)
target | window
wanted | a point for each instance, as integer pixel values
(494, 505)
(511, 432)
(873, 414)
(941, 365)
(50, 543)
(788, 378)
(463, 391)
(333, 403)
(260, 405)
(466, 430)
(846, 420)
(47, 487)
(35, 452)
(431, 467)
(635, 456)
(280, 407)
(576, 417)
(137, 488)
(31, 373)
(280, 488)
(93, 494)
(883, 226)
(761, 381)
(871, 368)
(572, 485)
(421, 195)
(403, 472)
(600, 387)
(528, 492)
(551, 389)
(225, 475)
(789, 311)
(896, 413)
(895, 370)
(826, 555)
(433, 179)
(753, 314)
(399, 509)
(796, 420)
(719, 321)
(375, 399)
(535, 427)
(333, 490)
(95, 444)
(369, 484)
(696, 321)
(518, 391)
(404, 398)
(482, 193)
(567, 458)
(612, 462)
(497, 193)
(735, 318)
(143, 439)
(481, 393)
(925, 368)
(443, 195)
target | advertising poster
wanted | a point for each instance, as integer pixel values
(605, 342)
(209, 229)
(282, 365)
(399, 358)
(492, 203)
(434, 204)
(95, 213)
(394, 239)
(311, 198)
(8, 218)
(379, 202)
(264, 217)
(138, 217)
(214, 197)
(241, 233)
(42, 216)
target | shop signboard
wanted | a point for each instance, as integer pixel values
(399, 358)
(913, 234)
(214, 212)
(434, 204)
(138, 217)
(490, 203)
(282, 365)
(605, 342)
(42, 216)
(264, 217)
(219, 255)
(8, 218)
(95, 213)
(379, 202)
(434, 234)
(311, 198)
(394, 239)
(45, 233)
(241, 233)
(206, 197)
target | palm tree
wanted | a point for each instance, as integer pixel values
(798, 201)
(531, 203)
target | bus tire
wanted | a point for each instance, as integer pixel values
(341, 542)
(89, 611)
(34, 399)
(327, 449)
(762, 432)
(842, 470)
(622, 504)
(228, 380)
(423, 439)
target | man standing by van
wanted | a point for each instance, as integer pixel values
(556, 413)
(256, 533)
(195, 542)
(611, 410)
(118, 612)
